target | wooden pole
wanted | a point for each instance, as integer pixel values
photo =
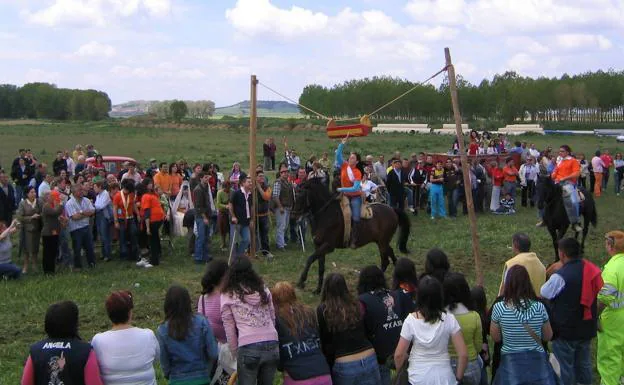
(253, 117)
(465, 170)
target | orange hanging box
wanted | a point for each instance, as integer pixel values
(353, 130)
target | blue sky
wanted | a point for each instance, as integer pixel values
(191, 49)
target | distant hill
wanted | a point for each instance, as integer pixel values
(266, 108)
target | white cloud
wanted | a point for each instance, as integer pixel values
(576, 41)
(526, 44)
(95, 49)
(39, 75)
(99, 13)
(451, 12)
(521, 62)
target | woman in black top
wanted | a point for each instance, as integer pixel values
(405, 284)
(343, 336)
(301, 358)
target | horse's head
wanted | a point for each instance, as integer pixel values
(310, 196)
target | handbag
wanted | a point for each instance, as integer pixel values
(552, 359)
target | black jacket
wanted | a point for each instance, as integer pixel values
(7, 204)
(395, 185)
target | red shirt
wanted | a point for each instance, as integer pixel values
(497, 176)
(344, 177)
(150, 201)
(473, 148)
(607, 160)
(124, 211)
(510, 173)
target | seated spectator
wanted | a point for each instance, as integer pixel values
(405, 284)
(61, 358)
(343, 335)
(429, 330)
(382, 315)
(507, 205)
(188, 349)
(209, 305)
(126, 353)
(520, 321)
(458, 302)
(301, 358)
(572, 292)
(521, 244)
(7, 267)
(436, 264)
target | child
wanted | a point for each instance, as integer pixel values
(507, 205)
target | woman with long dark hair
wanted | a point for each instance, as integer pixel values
(249, 321)
(188, 349)
(429, 329)
(382, 315)
(436, 264)
(343, 335)
(405, 284)
(458, 301)
(29, 215)
(521, 322)
(301, 358)
(153, 216)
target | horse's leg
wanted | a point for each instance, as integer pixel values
(306, 269)
(321, 273)
(555, 240)
(385, 254)
(585, 231)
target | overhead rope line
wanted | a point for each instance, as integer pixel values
(318, 114)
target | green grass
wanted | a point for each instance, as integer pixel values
(25, 301)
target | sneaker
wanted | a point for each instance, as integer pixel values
(577, 227)
(148, 265)
(539, 224)
(432, 218)
(142, 262)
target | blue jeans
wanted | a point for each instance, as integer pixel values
(128, 232)
(202, 250)
(361, 372)
(10, 271)
(575, 360)
(263, 232)
(356, 207)
(65, 255)
(618, 182)
(436, 200)
(105, 232)
(510, 187)
(257, 363)
(452, 203)
(281, 222)
(83, 239)
(472, 374)
(522, 368)
(570, 201)
(243, 239)
(384, 373)
(410, 197)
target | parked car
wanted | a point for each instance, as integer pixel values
(620, 138)
(113, 164)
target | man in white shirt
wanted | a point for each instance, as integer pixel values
(79, 210)
(71, 165)
(598, 169)
(528, 178)
(533, 151)
(44, 187)
(380, 168)
(104, 218)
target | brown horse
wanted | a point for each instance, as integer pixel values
(327, 222)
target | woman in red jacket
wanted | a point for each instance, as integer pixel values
(496, 173)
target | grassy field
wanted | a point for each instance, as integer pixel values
(25, 301)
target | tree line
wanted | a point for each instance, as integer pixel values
(46, 101)
(200, 109)
(584, 98)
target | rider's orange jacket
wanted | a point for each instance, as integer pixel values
(565, 168)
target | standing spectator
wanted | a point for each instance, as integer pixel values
(301, 357)
(7, 198)
(249, 321)
(395, 184)
(451, 181)
(572, 292)
(262, 211)
(77, 151)
(292, 159)
(81, 165)
(163, 179)
(45, 185)
(272, 150)
(618, 172)
(7, 268)
(21, 176)
(29, 215)
(343, 335)
(611, 312)
(380, 168)
(51, 212)
(382, 315)
(607, 161)
(436, 191)
(63, 357)
(104, 219)
(498, 176)
(125, 214)
(326, 163)
(528, 178)
(71, 165)
(598, 167)
(235, 174)
(202, 199)
(520, 321)
(154, 216)
(126, 353)
(582, 181)
(521, 246)
(458, 302)
(511, 175)
(79, 210)
(131, 174)
(223, 215)
(430, 329)
(266, 154)
(175, 173)
(284, 199)
(241, 209)
(405, 284)
(59, 164)
(188, 349)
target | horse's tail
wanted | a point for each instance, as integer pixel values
(404, 229)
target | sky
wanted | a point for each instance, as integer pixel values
(207, 49)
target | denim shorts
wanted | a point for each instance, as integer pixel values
(528, 367)
(359, 372)
(472, 374)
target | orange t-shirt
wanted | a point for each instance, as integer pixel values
(176, 182)
(164, 181)
(344, 177)
(151, 201)
(510, 170)
(565, 168)
(124, 211)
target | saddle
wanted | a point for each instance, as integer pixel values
(365, 213)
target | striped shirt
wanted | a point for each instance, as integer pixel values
(515, 337)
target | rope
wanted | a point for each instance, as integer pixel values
(318, 114)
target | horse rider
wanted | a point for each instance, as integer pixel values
(351, 186)
(566, 173)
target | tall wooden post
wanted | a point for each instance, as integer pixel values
(253, 123)
(465, 168)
